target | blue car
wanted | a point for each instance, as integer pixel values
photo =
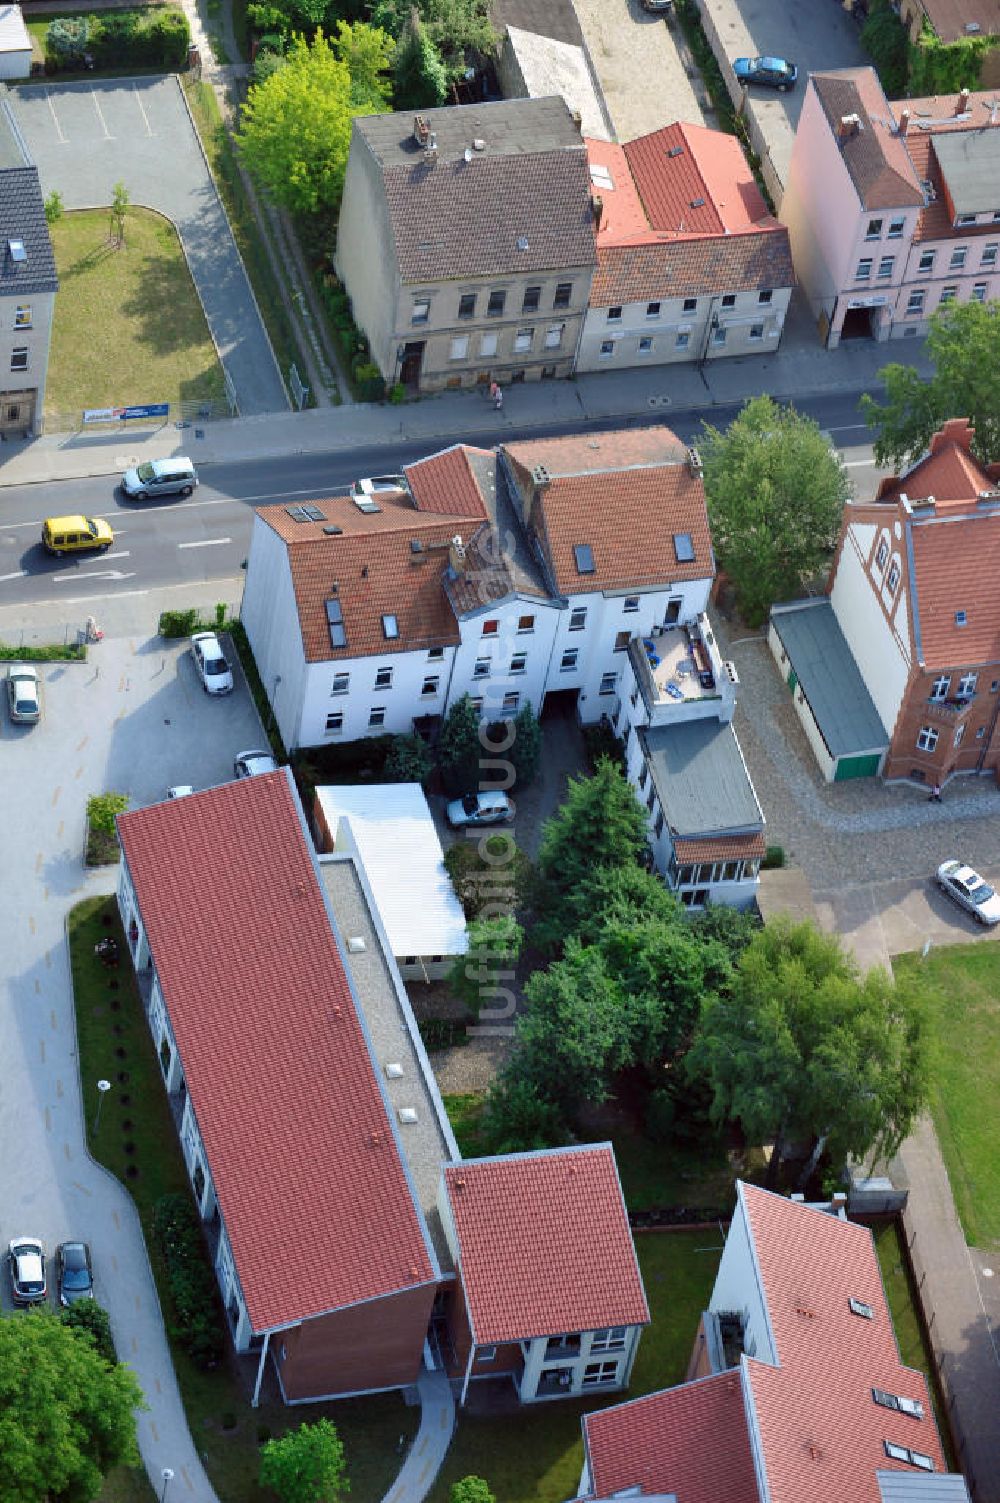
(774, 72)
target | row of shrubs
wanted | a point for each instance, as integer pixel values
(367, 379)
(118, 39)
(196, 1324)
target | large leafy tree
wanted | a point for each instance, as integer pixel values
(962, 343)
(295, 131)
(306, 1465)
(455, 28)
(369, 53)
(802, 1047)
(664, 970)
(575, 1034)
(775, 491)
(460, 750)
(67, 1415)
(420, 78)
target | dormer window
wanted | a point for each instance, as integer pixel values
(390, 628)
(960, 618)
(912, 1458)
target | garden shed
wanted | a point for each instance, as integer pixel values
(15, 43)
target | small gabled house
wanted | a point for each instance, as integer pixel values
(549, 1291)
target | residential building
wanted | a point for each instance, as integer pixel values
(890, 207)
(465, 242)
(28, 284)
(951, 21)
(543, 52)
(391, 830)
(549, 1292)
(522, 575)
(796, 1387)
(898, 665)
(314, 1135)
(690, 263)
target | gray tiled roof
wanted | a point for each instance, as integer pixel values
(520, 203)
(701, 779)
(698, 266)
(875, 155)
(829, 677)
(22, 217)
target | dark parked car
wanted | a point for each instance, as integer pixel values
(657, 7)
(774, 72)
(76, 1276)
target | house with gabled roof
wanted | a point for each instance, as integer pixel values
(896, 669)
(549, 1293)
(465, 242)
(28, 282)
(691, 264)
(311, 1125)
(797, 1390)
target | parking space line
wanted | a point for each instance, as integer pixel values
(145, 117)
(107, 134)
(55, 118)
(205, 543)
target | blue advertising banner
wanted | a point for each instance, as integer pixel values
(123, 414)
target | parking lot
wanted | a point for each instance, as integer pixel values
(86, 137)
(640, 69)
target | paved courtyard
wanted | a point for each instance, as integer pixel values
(640, 67)
(86, 137)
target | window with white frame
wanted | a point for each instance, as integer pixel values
(729, 300)
(915, 302)
(653, 310)
(959, 733)
(927, 738)
(334, 723)
(19, 358)
(720, 335)
(522, 340)
(383, 678)
(926, 262)
(488, 345)
(882, 554)
(491, 628)
(376, 716)
(979, 292)
(341, 683)
(486, 1354)
(596, 1373)
(948, 294)
(864, 271)
(690, 305)
(645, 345)
(607, 349)
(940, 687)
(609, 682)
(611, 1339)
(421, 310)
(570, 658)
(756, 331)
(519, 662)
(896, 228)
(765, 296)
(615, 314)
(630, 603)
(886, 265)
(967, 685)
(525, 624)
(554, 336)
(482, 668)
(459, 347)
(874, 230)
(958, 258)
(578, 618)
(431, 685)
(683, 340)
(989, 256)
(435, 654)
(511, 701)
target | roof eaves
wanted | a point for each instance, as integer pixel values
(918, 646)
(758, 1277)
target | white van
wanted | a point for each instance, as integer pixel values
(160, 477)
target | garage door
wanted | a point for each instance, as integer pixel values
(856, 767)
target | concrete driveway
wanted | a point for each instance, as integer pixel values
(640, 68)
(85, 137)
(133, 719)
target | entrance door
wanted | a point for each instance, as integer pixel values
(673, 612)
(409, 371)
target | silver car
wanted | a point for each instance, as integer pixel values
(210, 660)
(479, 809)
(26, 1258)
(970, 891)
(250, 764)
(22, 694)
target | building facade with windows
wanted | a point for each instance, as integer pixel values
(690, 263)
(795, 1387)
(465, 242)
(889, 205)
(28, 285)
(909, 623)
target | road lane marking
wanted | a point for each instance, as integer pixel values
(145, 117)
(107, 134)
(97, 574)
(55, 117)
(18, 574)
(206, 543)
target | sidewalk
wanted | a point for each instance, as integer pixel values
(430, 1446)
(801, 369)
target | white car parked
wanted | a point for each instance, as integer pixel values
(22, 694)
(969, 890)
(250, 764)
(210, 661)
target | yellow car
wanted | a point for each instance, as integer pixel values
(76, 534)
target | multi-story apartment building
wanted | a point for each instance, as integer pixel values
(28, 284)
(892, 209)
(465, 242)
(690, 263)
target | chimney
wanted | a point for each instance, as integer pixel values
(850, 125)
(456, 555)
(962, 103)
(540, 476)
(597, 204)
(694, 463)
(431, 149)
(904, 121)
(421, 130)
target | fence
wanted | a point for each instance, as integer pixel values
(184, 414)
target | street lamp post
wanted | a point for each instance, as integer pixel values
(167, 1475)
(103, 1087)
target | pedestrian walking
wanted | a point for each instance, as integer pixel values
(498, 399)
(935, 794)
(494, 388)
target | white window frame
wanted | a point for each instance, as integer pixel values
(431, 686)
(376, 717)
(927, 738)
(334, 723)
(19, 358)
(940, 686)
(554, 336)
(519, 663)
(609, 683)
(578, 618)
(383, 678)
(22, 316)
(341, 683)
(421, 310)
(488, 344)
(458, 349)
(967, 685)
(864, 271)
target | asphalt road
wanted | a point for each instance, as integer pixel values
(207, 536)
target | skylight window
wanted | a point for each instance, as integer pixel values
(912, 1407)
(584, 555)
(858, 1307)
(960, 618)
(17, 250)
(683, 548)
(335, 621)
(390, 628)
(305, 513)
(912, 1458)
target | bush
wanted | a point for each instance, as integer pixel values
(55, 652)
(600, 741)
(53, 207)
(87, 1315)
(774, 857)
(102, 809)
(119, 39)
(409, 761)
(483, 974)
(180, 623)
(493, 885)
(444, 1033)
(370, 383)
(885, 39)
(196, 1324)
(66, 40)
(397, 394)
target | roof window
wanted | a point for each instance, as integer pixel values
(960, 618)
(16, 250)
(858, 1307)
(366, 503)
(305, 513)
(390, 628)
(913, 1407)
(683, 548)
(335, 621)
(584, 555)
(912, 1458)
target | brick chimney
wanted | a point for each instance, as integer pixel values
(904, 122)
(962, 102)
(850, 125)
(597, 204)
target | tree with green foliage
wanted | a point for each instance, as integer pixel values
(409, 761)
(600, 824)
(458, 30)
(460, 749)
(295, 130)
(526, 748)
(519, 1116)
(625, 895)
(87, 1315)
(490, 875)
(67, 1417)
(420, 80)
(483, 974)
(53, 207)
(471, 1489)
(775, 491)
(803, 1048)
(886, 40)
(663, 970)
(119, 210)
(306, 1465)
(961, 343)
(575, 1035)
(369, 53)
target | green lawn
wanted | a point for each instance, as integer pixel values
(964, 995)
(128, 325)
(535, 1455)
(222, 1421)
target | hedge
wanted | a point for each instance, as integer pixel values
(196, 1324)
(119, 39)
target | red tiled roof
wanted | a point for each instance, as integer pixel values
(445, 483)
(625, 495)
(725, 848)
(304, 1161)
(708, 165)
(376, 572)
(544, 1244)
(698, 267)
(690, 1441)
(821, 1432)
